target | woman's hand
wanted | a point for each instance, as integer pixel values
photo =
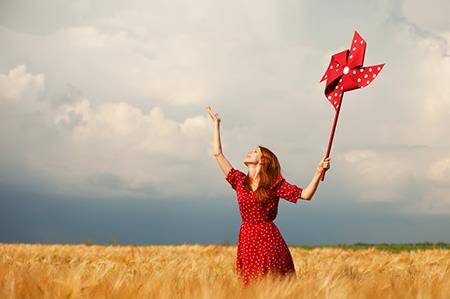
(214, 116)
(323, 164)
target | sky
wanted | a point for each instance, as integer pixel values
(106, 137)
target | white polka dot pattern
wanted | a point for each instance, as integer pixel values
(348, 72)
(261, 247)
(289, 191)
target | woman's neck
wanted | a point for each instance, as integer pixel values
(253, 171)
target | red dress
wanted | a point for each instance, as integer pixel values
(261, 247)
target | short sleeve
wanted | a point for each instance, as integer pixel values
(233, 177)
(289, 191)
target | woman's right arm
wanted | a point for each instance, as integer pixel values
(224, 164)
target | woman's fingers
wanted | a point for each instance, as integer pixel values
(214, 116)
(210, 112)
(325, 163)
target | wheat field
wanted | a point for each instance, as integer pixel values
(207, 271)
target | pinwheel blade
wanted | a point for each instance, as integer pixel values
(325, 75)
(334, 96)
(365, 75)
(357, 51)
(335, 67)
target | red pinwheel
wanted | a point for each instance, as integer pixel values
(344, 73)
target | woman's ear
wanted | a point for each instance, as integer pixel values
(261, 161)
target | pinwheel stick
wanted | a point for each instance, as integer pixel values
(344, 73)
(330, 142)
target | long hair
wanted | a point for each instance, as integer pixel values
(269, 172)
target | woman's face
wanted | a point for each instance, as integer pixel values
(253, 156)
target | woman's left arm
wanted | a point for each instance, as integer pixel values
(309, 191)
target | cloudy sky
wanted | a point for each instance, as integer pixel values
(105, 135)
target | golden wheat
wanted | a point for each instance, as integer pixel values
(207, 271)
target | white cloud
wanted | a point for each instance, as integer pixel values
(436, 201)
(358, 155)
(440, 170)
(432, 15)
(84, 140)
(146, 71)
(377, 175)
(18, 83)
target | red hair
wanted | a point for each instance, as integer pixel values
(269, 172)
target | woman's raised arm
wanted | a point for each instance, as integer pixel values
(224, 164)
(309, 191)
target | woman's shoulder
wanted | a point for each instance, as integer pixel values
(277, 182)
(236, 172)
(241, 173)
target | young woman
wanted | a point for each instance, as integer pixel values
(261, 248)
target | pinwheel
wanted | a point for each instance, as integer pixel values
(344, 73)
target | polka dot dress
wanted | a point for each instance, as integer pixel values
(261, 247)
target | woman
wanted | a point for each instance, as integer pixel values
(261, 248)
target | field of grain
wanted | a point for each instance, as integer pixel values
(207, 271)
